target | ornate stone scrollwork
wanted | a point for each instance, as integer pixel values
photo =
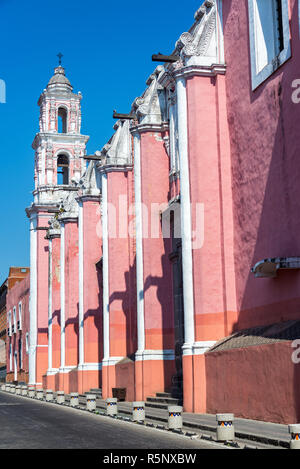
(88, 182)
(166, 140)
(197, 43)
(201, 40)
(150, 108)
(68, 205)
(118, 150)
(54, 227)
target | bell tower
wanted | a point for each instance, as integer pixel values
(58, 147)
(59, 144)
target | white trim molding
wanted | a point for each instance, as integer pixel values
(110, 361)
(147, 355)
(90, 367)
(262, 65)
(20, 309)
(200, 348)
(66, 369)
(52, 371)
(197, 348)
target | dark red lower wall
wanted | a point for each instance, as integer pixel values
(257, 382)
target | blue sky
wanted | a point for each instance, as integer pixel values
(107, 49)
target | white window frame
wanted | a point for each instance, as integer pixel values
(9, 324)
(10, 357)
(16, 366)
(27, 342)
(20, 345)
(15, 319)
(283, 56)
(20, 315)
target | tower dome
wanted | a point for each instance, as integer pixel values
(59, 79)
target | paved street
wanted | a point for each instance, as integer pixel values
(26, 423)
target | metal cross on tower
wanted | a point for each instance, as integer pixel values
(60, 55)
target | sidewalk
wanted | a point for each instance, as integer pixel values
(263, 432)
(266, 433)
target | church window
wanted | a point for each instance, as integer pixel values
(62, 120)
(20, 353)
(269, 37)
(62, 170)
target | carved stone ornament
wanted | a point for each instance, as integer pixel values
(54, 227)
(88, 182)
(151, 107)
(69, 204)
(118, 150)
(196, 43)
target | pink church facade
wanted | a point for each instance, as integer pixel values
(168, 261)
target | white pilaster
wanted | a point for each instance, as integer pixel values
(186, 224)
(139, 245)
(81, 280)
(62, 298)
(105, 266)
(33, 300)
(50, 308)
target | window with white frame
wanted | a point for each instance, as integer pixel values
(9, 323)
(20, 316)
(27, 342)
(10, 357)
(20, 354)
(15, 318)
(269, 37)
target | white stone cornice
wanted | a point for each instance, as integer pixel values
(36, 208)
(147, 355)
(200, 70)
(88, 197)
(142, 128)
(59, 138)
(67, 218)
(54, 228)
(53, 234)
(66, 369)
(197, 348)
(52, 371)
(204, 70)
(90, 367)
(110, 168)
(111, 361)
